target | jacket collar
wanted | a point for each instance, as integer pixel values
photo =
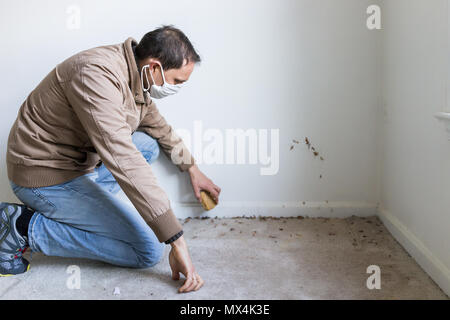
(135, 77)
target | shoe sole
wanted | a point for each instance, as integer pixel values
(9, 275)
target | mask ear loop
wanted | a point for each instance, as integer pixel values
(146, 78)
(162, 73)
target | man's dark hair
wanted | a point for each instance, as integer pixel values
(169, 45)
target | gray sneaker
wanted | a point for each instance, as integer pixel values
(12, 244)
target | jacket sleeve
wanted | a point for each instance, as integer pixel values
(172, 145)
(95, 95)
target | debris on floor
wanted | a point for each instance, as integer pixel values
(297, 258)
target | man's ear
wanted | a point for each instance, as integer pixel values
(154, 64)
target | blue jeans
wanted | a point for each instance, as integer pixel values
(82, 218)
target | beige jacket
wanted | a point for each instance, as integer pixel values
(84, 112)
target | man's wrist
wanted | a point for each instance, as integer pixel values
(192, 168)
(180, 242)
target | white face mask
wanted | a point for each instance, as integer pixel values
(156, 91)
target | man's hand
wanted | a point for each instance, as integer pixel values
(180, 261)
(201, 182)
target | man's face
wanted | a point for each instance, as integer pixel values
(172, 76)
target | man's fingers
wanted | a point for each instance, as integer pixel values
(193, 285)
(197, 193)
(200, 283)
(218, 192)
(186, 284)
(215, 194)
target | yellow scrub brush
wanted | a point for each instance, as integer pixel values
(207, 202)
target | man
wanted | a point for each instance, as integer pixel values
(89, 129)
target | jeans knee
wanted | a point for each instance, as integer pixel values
(152, 153)
(147, 145)
(151, 257)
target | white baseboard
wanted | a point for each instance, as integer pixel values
(228, 209)
(435, 268)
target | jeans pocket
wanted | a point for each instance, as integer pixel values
(34, 198)
(42, 198)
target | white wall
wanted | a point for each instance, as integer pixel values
(416, 168)
(309, 68)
